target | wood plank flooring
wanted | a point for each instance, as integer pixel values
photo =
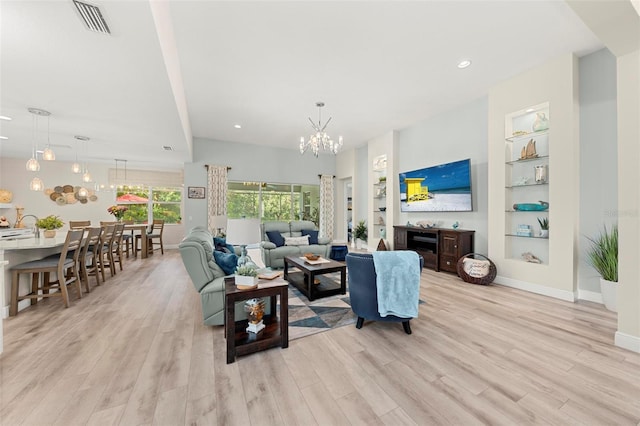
(135, 352)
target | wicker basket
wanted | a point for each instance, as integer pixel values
(487, 279)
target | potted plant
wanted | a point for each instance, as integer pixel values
(49, 224)
(360, 233)
(246, 277)
(603, 256)
(544, 227)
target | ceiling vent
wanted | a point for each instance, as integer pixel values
(167, 148)
(92, 17)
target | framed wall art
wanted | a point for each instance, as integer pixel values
(195, 192)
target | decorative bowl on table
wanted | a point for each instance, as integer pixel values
(311, 256)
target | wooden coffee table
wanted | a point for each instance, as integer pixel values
(276, 332)
(304, 280)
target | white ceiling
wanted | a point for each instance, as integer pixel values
(377, 65)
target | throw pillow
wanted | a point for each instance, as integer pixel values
(220, 244)
(313, 235)
(476, 268)
(296, 241)
(276, 238)
(227, 261)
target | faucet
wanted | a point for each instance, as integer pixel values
(36, 230)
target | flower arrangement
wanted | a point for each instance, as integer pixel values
(117, 211)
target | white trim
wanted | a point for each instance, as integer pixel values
(627, 341)
(569, 296)
(23, 304)
(590, 296)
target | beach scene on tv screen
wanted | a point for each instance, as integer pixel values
(443, 188)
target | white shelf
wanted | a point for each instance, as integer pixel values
(527, 136)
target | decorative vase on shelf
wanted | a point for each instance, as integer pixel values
(383, 233)
(541, 122)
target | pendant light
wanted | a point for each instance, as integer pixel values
(36, 184)
(83, 192)
(76, 167)
(86, 176)
(33, 165)
(48, 154)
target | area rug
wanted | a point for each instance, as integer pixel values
(307, 318)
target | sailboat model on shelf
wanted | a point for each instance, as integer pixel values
(528, 151)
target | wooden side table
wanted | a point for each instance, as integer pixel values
(276, 331)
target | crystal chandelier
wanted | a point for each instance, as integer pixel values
(320, 139)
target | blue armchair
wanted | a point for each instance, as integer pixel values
(363, 290)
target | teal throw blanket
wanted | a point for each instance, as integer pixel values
(398, 283)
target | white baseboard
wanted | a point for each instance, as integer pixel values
(627, 341)
(23, 304)
(590, 296)
(569, 296)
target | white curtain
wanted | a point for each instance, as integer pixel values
(217, 199)
(326, 206)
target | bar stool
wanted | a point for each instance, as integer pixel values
(58, 264)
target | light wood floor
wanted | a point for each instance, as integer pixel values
(134, 351)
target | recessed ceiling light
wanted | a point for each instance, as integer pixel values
(3, 137)
(530, 110)
(4, 117)
(463, 64)
(237, 126)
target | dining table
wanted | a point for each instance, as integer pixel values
(142, 227)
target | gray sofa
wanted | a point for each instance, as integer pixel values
(207, 277)
(273, 257)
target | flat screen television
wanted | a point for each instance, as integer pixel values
(442, 188)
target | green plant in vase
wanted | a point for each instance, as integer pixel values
(360, 232)
(246, 276)
(50, 224)
(544, 227)
(603, 256)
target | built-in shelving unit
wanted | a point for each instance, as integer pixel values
(526, 182)
(378, 225)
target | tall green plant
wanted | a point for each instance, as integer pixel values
(603, 253)
(360, 231)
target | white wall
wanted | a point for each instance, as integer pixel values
(628, 77)
(248, 162)
(453, 135)
(360, 186)
(555, 82)
(598, 159)
(14, 177)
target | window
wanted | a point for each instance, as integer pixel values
(273, 201)
(148, 203)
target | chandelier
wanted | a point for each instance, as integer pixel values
(320, 139)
